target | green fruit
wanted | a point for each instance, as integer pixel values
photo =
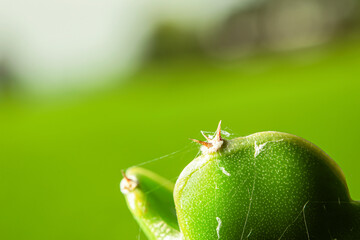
(268, 185)
(150, 200)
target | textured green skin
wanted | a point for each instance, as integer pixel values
(290, 190)
(152, 205)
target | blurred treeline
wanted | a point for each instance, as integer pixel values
(273, 25)
(239, 31)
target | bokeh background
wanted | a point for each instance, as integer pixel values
(88, 88)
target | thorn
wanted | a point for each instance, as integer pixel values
(218, 132)
(127, 185)
(125, 177)
(206, 144)
(207, 138)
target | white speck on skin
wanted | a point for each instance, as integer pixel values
(224, 171)
(259, 148)
(218, 227)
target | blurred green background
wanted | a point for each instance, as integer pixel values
(61, 157)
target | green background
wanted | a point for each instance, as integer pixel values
(60, 163)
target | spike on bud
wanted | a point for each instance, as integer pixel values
(218, 132)
(124, 175)
(206, 137)
(212, 145)
(127, 184)
(206, 144)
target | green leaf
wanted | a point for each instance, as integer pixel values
(150, 200)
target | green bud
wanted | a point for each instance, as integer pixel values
(268, 185)
(150, 200)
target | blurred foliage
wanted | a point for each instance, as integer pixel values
(270, 25)
(60, 164)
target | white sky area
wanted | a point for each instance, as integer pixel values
(61, 44)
